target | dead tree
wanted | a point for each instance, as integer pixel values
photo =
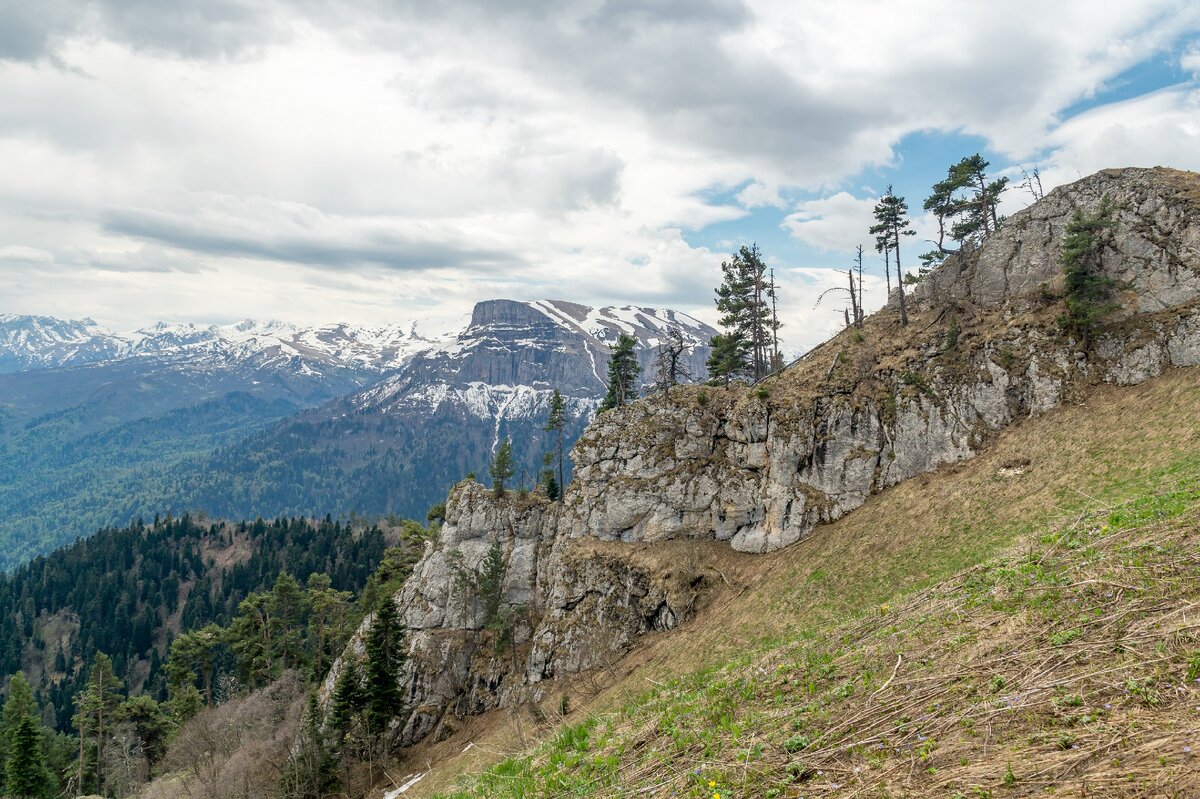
(671, 366)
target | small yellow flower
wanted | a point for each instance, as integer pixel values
(712, 784)
(716, 796)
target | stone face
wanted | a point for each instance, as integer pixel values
(759, 470)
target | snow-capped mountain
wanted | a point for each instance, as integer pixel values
(265, 418)
(42, 342)
(397, 446)
(36, 342)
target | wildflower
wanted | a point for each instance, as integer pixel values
(712, 784)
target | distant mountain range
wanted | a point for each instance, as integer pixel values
(98, 427)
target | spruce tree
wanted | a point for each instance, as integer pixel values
(623, 372)
(25, 771)
(17, 705)
(501, 468)
(556, 422)
(385, 659)
(891, 223)
(348, 699)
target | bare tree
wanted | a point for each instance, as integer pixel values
(854, 314)
(671, 366)
(1033, 182)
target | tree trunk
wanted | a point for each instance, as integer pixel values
(984, 205)
(900, 277)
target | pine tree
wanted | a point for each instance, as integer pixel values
(891, 222)
(1089, 293)
(623, 371)
(501, 468)
(151, 724)
(328, 612)
(727, 358)
(742, 299)
(977, 210)
(25, 771)
(97, 704)
(556, 421)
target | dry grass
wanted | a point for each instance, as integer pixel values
(1039, 475)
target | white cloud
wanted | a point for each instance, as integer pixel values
(28, 255)
(1158, 129)
(758, 194)
(1189, 60)
(316, 161)
(837, 223)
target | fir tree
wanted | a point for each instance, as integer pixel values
(17, 705)
(25, 771)
(501, 468)
(348, 699)
(491, 581)
(553, 493)
(556, 422)
(891, 222)
(385, 659)
(623, 371)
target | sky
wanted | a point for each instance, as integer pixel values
(376, 161)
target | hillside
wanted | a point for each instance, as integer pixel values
(129, 591)
(670, 492)
(1034, 608)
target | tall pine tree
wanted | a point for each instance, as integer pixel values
(891, 223)
(744, 300)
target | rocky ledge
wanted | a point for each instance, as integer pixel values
(759, 467)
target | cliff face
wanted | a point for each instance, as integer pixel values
(759, 467)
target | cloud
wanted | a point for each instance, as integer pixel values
(1189, 60)
(757, 194)
(295, 233)
(324, 159)
(837, 223)
(1157, 129)
(28, 255)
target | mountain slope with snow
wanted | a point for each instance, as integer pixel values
(264, 418)
(397, 446)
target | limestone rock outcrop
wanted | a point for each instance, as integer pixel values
(759, 467)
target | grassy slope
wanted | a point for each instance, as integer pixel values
(1006, 665)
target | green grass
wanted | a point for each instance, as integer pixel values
(744, 727)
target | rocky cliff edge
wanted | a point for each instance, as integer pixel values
(660, 483)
